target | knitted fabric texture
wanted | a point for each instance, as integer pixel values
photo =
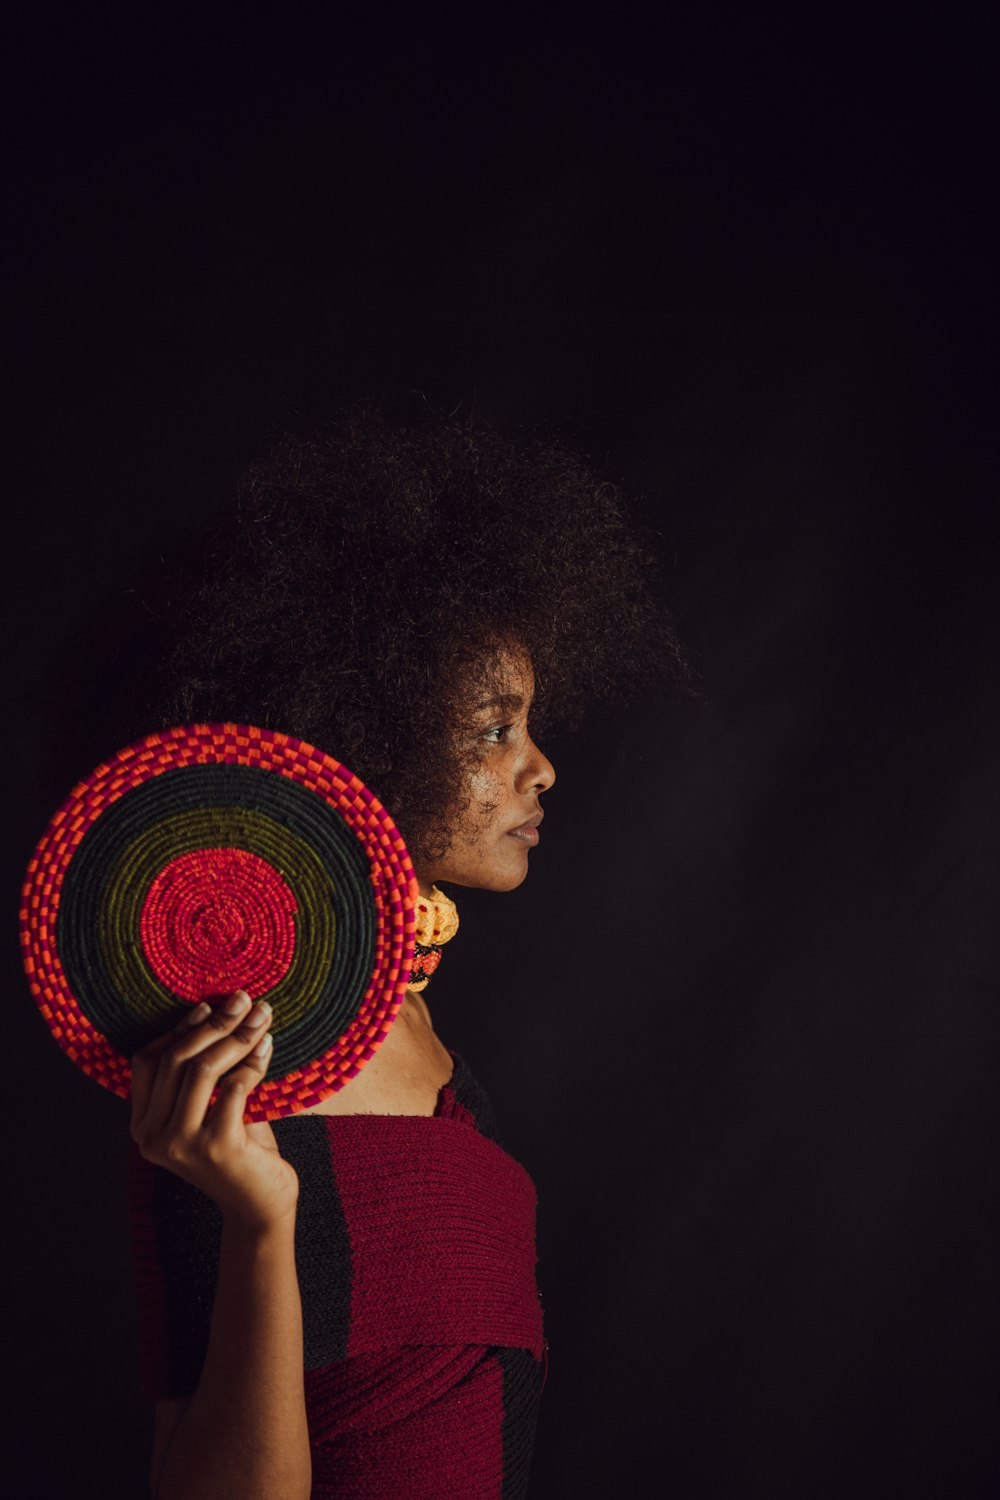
(422, 1324)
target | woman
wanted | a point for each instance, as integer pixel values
(415, 601)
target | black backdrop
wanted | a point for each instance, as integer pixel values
(740, 1022)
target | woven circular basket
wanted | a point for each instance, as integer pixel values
(209, 858)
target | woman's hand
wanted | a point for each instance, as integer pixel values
(243, 1431)
(224, 1052)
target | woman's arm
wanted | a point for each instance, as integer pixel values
(242, 1433)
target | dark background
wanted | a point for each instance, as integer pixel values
(741, 1021)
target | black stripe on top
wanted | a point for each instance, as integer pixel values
(188, 1230)
(522, 1387)
(469, 1092)
(322, 1243)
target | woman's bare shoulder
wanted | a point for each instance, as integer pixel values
(406, 1074)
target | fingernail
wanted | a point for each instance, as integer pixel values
(258, 1015)
(195, 1017)
(236, 1003)
(263, 1047)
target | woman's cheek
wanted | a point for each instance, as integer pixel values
(486, 790)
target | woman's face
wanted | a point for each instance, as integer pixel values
(492, 838)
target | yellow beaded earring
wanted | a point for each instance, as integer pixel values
(436, 923)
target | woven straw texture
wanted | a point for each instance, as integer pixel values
(214, 857)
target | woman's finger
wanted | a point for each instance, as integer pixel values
(202, 1072)
(225, 1120)
(161, 1068)
(146, 1061)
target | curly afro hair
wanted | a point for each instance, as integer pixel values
(369, 572)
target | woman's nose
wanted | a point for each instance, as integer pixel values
(537, 771)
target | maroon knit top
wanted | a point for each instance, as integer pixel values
(415, 1250)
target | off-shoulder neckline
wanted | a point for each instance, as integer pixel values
(447, 1086)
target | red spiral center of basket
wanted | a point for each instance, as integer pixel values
(216, 920)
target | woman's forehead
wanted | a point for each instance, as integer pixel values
(505, 679)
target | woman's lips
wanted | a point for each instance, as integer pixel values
(526, 832)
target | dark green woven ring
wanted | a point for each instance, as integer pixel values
(212, 857)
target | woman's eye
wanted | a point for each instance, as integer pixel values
(498, 735)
